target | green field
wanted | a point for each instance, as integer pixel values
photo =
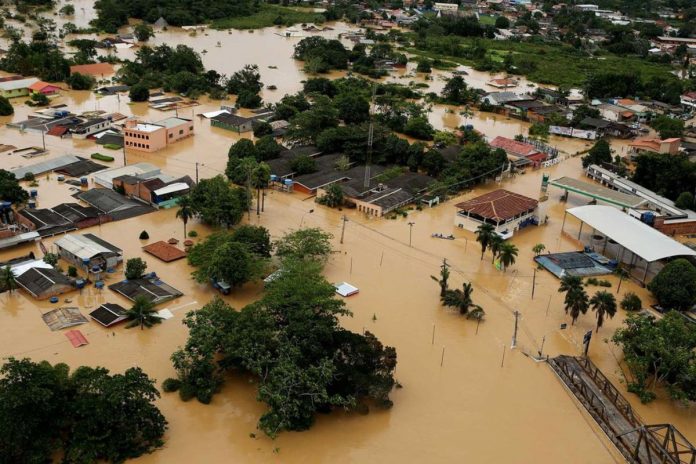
(545, 63)
(487, 20)
(270, 15)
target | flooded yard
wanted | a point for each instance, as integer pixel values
(466, 396)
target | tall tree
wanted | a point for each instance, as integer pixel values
(142, 313)
(7, 278)
(460, 299)
(185, 211)
(444, 277)
(576, 299)
(675, 285)
(508, 254)
(604, 304)
(484, 233)
(496, 244)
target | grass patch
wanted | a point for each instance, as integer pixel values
(270, 15)
(487, 20)
(545, 63)
(100, 157)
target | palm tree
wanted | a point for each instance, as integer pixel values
(508, 254)
(460, 299)
(494, 245)
(444, 276)
(484, 232)
(621, 274)
(576, 299)
(604, 304)
(7, 278)
(185, 210)
(477, 314)
(538, 248)
(142, 314)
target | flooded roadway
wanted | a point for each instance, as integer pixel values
(468, 409)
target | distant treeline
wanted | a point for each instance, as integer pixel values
(111, 14)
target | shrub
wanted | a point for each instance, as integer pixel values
(186, 392)
(135, 268)
(144, 235)
(72, 271)
(192, 233)
(112, 146)
(171, 385)
(631, 302)
(29, 177)
(6, 108)
(139, 93)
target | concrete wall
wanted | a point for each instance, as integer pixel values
(174, 134)
(145, 141)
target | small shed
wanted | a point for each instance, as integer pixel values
(88, 251)
(109, 314)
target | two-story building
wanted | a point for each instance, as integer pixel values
(151, 137)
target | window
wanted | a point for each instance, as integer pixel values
(181, 131)
(171, 135)
(191, 128)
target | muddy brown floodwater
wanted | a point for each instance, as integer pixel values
(458, 403)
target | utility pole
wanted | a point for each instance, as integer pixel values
(514, 335)
(586, 341)
(124, 152)
(258, 201)
(410, 232)
(196, 171)
(541, 350)
(534, 282)
(43, 139)
(343, 229)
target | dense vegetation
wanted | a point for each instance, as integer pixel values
(675, 285)
(10, 190)
(233, 257)
(659, 353)
(290, 341)
(88, 415)
(667, 175)
(215, 202)
(111, 14)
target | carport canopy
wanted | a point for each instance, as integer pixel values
(649, 244)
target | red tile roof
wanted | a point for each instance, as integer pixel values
(499, 205)
(96, 69)
(164, 251)
(58, 131)
(514, 147)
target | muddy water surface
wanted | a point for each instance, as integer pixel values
(466, 397)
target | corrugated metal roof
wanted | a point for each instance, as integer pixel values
(45, 166)
(81, 246)
(18, 84)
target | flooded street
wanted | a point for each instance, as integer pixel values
(466, 396)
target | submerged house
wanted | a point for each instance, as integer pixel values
(506, 211)
(44, 283)
(89, 252)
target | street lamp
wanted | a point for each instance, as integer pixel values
(410, 232)
(303, 215)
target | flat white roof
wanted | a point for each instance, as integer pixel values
(171, 188)
(637, 237)
(145, 127)
(145, 170)
(173, 122)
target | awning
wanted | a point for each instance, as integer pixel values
(171, 188)
(637, 237)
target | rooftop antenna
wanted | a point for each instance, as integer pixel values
(370, 136)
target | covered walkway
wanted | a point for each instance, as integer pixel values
(624, 233)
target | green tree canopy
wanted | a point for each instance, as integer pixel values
(675, 285)
(68, 414)
(10, 190)
(218, 203)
